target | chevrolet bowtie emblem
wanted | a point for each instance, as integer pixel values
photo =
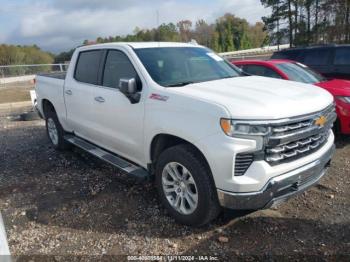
(321, 121)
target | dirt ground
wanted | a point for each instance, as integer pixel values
(60, 205)
(15, 92)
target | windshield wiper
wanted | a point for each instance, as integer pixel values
(180, 84)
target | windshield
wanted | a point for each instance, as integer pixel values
(300, 73)
(179, 66)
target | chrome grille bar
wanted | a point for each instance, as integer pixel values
(298, 138)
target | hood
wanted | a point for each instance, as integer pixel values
(255, 97)
(337, 87)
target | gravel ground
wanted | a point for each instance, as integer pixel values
(72, 205)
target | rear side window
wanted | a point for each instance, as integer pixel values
(259, 70)
(87, 67)
(317, 57)
(342, 56)
(117, 66)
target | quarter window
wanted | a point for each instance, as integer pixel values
(87, 67)
(117, 66)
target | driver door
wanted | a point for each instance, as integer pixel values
(118, 122)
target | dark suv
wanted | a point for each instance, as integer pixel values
(333, 61)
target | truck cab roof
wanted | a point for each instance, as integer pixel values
(137, 45)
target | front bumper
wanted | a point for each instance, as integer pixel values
(279, 188)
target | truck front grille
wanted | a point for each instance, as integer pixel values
(296, 138)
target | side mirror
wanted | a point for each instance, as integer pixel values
(128, 86)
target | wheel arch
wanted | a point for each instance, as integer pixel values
(163, 141)
(46, 106)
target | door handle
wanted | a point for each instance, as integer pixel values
(69, 92)
(99, 99)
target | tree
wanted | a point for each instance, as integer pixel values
(257, 35)
(281, 11)
(204, 33)
(228, 33)
(65, 56)
(309, 21)
(184, 27)
(167, 32)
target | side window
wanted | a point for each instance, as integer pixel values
(317, 57)
(117, 66)
(342, 56)
(87, 67)
(292, 55)
(259, 70)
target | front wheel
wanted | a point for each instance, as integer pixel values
(185, 187)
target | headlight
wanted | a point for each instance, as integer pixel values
(345, 99)
(235, 128)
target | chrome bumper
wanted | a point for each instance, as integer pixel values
(280, 188)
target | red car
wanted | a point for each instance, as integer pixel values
(291, 70)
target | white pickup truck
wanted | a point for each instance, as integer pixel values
(209, 136)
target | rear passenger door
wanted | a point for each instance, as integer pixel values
(341, 63)
(78, 93)
(319, 59)
(118, 123)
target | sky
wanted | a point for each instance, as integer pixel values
(59, 25)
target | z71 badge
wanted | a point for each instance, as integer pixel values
(158, 97)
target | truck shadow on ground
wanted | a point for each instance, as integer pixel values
(342, 140)
(75, 190)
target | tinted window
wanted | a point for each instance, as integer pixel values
(117, 66)
(260, 71)
(317, 57)
(292, 55)
(342, 56)
(178, 66)
(87, 67)
(300, 73)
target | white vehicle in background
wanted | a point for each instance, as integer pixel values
(179, 113)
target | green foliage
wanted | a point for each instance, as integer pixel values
(65, 56)
(228, 33)
(23, 55)
(307, 22)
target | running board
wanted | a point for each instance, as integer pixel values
(126, 166)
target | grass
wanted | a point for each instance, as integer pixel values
(15, 92)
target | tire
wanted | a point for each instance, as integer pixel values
(184, 159)
(55, 131)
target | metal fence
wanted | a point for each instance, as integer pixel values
(255, 53)
(25, 70)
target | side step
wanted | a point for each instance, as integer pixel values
(130, 168)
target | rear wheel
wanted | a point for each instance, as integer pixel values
(185, 188)
(55, 131)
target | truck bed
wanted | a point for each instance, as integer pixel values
(58, 75)
(51, 87)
